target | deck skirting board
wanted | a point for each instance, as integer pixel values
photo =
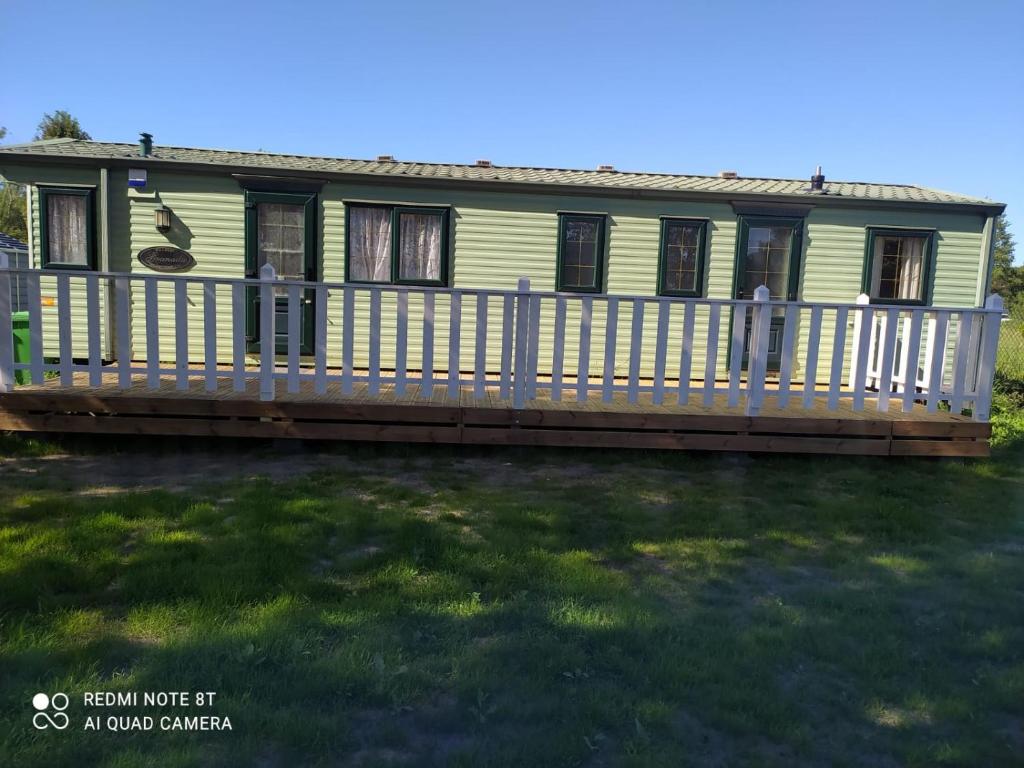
(42, 411)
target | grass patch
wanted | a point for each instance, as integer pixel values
(433, 606)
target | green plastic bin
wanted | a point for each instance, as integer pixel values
(22, 350)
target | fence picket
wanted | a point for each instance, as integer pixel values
(35, 327)
(427, 369)
(454, 342)
(911, 354)
(152, 333)
(92, 309)
(373, 383)
(889, 331)
(660, 352)
(739, 333)
(520, 371)
(811, 364)
(294, 338)
(348, 322)
(401, 343)
(864, 340)
(238, 341)
(480, 349)
(636, 342)
(7, 379)
(583, 359)
(611, 328)
(937, 359)
(210, 334)
(992, 318)
(320, 296)
(960, 356)
(686, 352)
(711, 361)
(181, 334)
(507, 332)
(268, 335)
(558, 349)
(838, 355)
(791, 321)
(533, 348)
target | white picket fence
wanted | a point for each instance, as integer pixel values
(947, 353)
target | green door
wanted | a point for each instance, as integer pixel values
(768, 253)
(280, 230)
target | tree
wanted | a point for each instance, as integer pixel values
(3, 133)
(12, 211)
(60, 125)
(1007, 279)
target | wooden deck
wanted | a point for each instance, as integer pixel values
(492, 420)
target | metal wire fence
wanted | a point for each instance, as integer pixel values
(1010, 357)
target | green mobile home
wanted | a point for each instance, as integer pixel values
(105, 206)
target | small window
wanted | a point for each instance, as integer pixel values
(681, 261)
(66, 216)
(393, 244)
(580, 252)
(898, 266)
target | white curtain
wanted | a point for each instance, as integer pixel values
(369, 243)
(911, 268)
(420, 246)
(66, 229)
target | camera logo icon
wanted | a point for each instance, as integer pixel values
(50, 711)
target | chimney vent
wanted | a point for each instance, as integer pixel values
(145, 144)
(728, 175)
(606, 167)
(385, 158)
(818, 181)
(483, 163)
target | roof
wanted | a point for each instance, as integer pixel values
(98, 151)
(9, 243)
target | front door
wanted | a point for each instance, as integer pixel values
(768, 253)
(281, 231)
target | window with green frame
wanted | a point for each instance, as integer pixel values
(898, 265)
(580, 252)
(396, 244)
(681, 257)
(67, 227)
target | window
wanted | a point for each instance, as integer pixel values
(897, 265)
(681, 260)
(396, 244)
(67, 229)
(580, 252)
(768, 254)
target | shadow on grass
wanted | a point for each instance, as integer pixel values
(417, 605)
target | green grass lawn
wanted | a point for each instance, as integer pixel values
(428, 606)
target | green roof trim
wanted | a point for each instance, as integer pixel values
(609, 182)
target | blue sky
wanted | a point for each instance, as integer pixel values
(928, 93)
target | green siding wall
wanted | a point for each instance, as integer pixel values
(497, 238)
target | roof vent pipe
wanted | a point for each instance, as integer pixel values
(817, 181)
(145, 144)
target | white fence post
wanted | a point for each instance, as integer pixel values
(856, 353)
(268, 340)
(6, 329)
(987, 358)
(522, 343)
(757, 360)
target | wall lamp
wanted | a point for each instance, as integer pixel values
(162, 217)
